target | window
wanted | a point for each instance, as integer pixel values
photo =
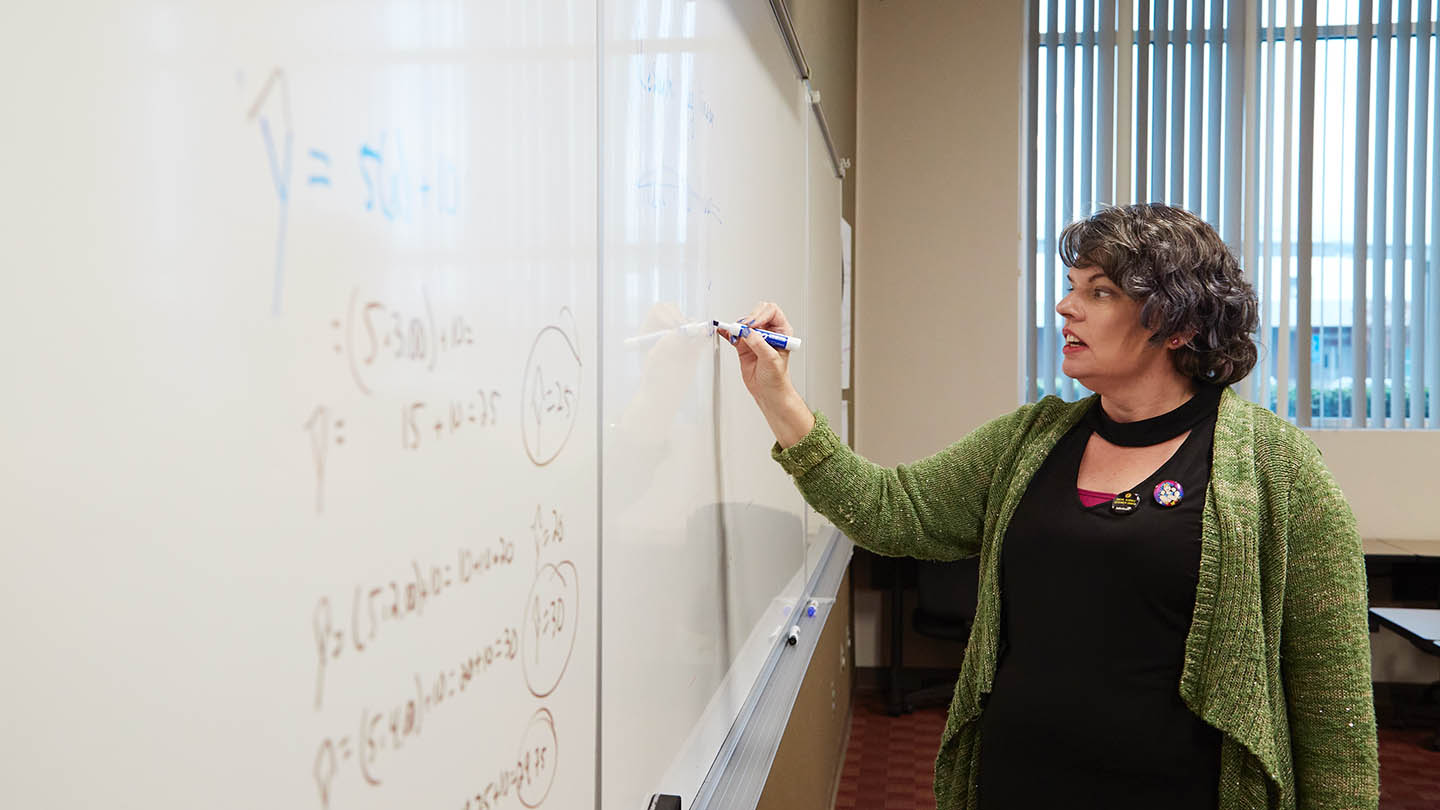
(1305, 132)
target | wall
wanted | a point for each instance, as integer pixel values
(1388, 477)
(938, 250)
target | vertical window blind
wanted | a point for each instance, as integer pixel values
(1304, 132)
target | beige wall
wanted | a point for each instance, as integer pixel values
(938, 250)
(937, 221)
(1389, 477)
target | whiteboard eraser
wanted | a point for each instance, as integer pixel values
(664, 801)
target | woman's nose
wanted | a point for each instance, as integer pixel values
(1064, 307)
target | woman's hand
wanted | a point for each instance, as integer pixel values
(766, 373)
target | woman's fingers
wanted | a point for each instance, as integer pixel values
(767, 315)
(734, 339)
(756, 343)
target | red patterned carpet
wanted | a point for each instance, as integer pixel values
(889, 763)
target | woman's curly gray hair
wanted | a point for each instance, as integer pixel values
(1184, 277)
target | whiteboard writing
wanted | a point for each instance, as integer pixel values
(672, 189)
(552, 388)
(533, 771)
(391, 189)
(657, 82)
(417, 419)
(394, 188)
(321, 426)
(355, 627)
(280, 165)
(383, 733)
(410, 361)
(375, 335)
(550, 626)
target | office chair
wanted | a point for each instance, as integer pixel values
(947, 593)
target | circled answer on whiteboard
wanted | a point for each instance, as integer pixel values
(551, 390)
(551, 620)
(534, 771)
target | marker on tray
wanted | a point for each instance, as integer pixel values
(779, 341)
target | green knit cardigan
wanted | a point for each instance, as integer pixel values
(1278, 653)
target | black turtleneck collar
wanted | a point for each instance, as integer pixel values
(1156, 429)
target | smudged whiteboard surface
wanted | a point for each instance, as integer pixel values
(299, 490)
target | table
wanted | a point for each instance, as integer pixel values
(1421, 627)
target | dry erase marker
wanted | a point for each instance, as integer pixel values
(779, 341)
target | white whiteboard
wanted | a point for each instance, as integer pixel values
(331, 480)
(705, 215)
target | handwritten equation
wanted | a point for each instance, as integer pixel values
(533, 772)
(419, 419)
(387, 344)
(397, 186)
(375, 606)
(387, 730)
(540, 636)
(401, 367)
(657, 81)
(375, 335)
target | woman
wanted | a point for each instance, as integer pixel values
(1172, 608)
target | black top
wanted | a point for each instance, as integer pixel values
(1095, 607)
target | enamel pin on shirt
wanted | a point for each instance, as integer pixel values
(1169, 493)
(1125, 503)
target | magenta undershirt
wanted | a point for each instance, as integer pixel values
(1089, 497)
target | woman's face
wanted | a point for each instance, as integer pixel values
(1106, 345)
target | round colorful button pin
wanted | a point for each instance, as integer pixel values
(1169, 493)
